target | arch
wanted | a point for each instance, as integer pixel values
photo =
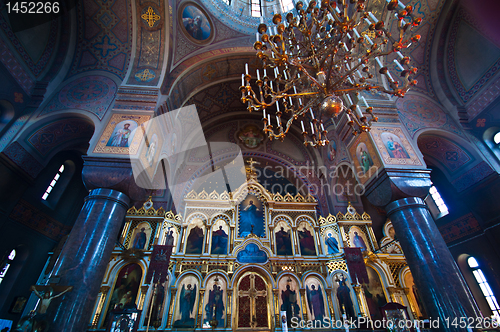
(187, 300)
(343, 295)
(238, 273)
(54, 133)
(255, 297)
(126, 288)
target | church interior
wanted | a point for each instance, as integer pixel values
(143, 187)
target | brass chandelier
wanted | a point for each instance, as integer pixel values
(316, 64)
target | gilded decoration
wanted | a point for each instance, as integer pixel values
(298, 266)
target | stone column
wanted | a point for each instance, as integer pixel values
(84, 258)
(443, 289)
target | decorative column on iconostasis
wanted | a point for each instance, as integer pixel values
(103, 293)
(304, 304)
(173, 291)
(200, 308)
(360, 295)
(276, 306)
(229, 305)
(394, 175)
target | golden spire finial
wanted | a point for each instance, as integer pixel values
(251, 169)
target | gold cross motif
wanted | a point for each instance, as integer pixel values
(208, 72)
(145, 75)
(151, 17)
(252, 293)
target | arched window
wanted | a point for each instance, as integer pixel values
(286, 5)
(59, 182)
(256, 8)
(53, 183)
(436, 205)
(438, 200)
(496, 138)
(485, 287)
(6, 265)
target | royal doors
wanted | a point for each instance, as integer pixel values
(252, 302)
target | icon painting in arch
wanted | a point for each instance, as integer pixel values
(251, 217)
(220, 235)
(283, 237)
(140, 236)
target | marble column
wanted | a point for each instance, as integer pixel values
(84, 258)
(443, 289)
(445, 295)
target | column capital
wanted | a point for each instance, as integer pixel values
(111, 173)
(394, 184)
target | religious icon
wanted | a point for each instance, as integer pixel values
(316, 301)
(194, 244)
(196, 23)
(18, 305)
(251, 217)
(125, 290)
(344, 296)
(358, 241)
(331, 153)
(394, 146)
(332, 244)
(251, 254)
(251, 136)
(140, 239)
(169, 237)
(374, 294)
(364, 158)
(219, 241)
(122, 134)
(289, 299)
(306, 240)
(283, 241)
(214, 308)
(47, 297)
(186, 303)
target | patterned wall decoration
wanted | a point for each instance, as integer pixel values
(447, 153)
(122, 134)
(15, 69)
(93, 94)
(50, 136)
(473, 176)
(459, 228)
(35, 219)
(394, 147)
(464, 91)
(484, 98)
(197, 69)
(104, 37)
(22, 158)
(36, 66)
(149, 58)
(417, 113)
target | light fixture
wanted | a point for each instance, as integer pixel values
(316, 64)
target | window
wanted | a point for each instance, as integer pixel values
(436, 197)
(485, 287)
(7, 264)
(496, 138)
(53, 183)
(255, 9)
(286, 5)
